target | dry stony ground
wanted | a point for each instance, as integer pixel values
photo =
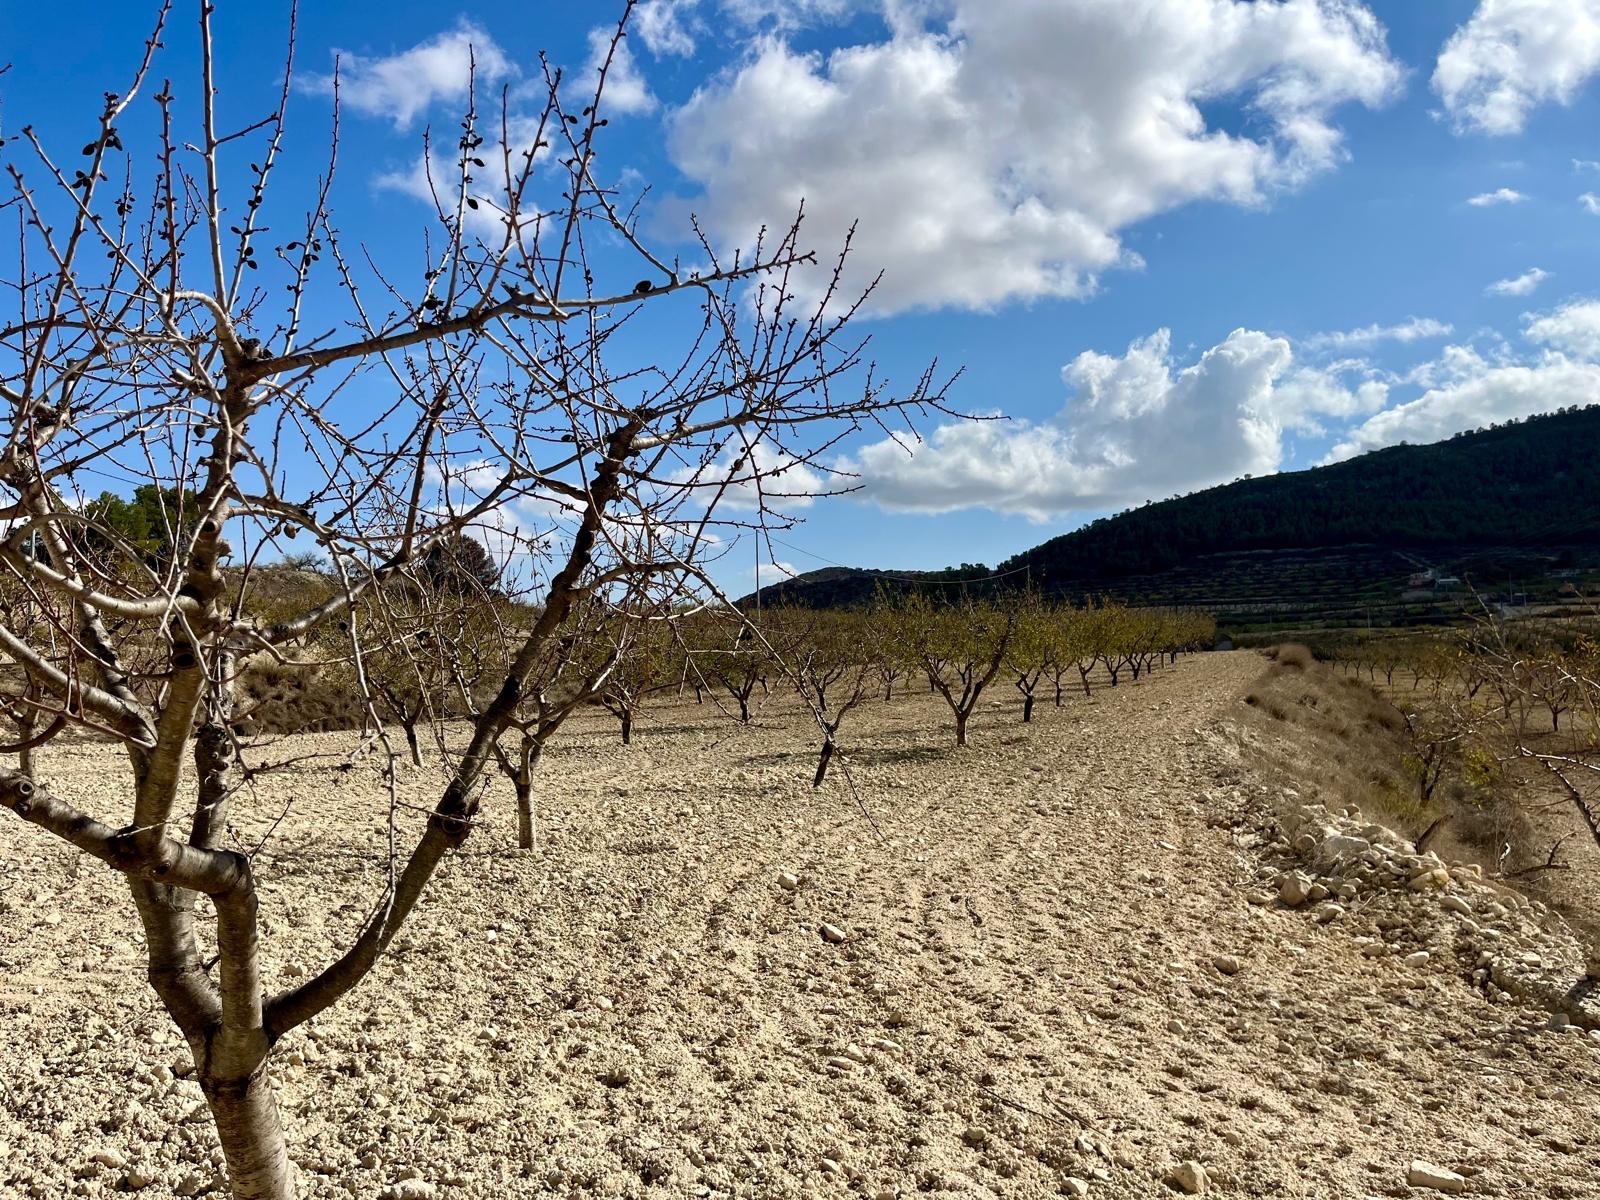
(1027, 1003)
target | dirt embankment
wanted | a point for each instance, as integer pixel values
(1053, 981)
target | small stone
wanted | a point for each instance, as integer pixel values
(1189, 1178)
(1226, 963)
(1456, 905)
(975, 1136)
(832, 934)
(1426, 1175)
(1417, 958)
(1327, 912)
(1073, 1186)
(137, 1180)
(603, 1003)
(1294, 889)
(192, 1184)
(108, 1158)
(618, 1076)
(788, 880)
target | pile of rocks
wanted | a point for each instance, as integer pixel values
(1420, 909)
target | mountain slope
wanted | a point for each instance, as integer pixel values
(1508, 506)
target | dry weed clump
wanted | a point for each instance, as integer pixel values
(1291, 656)
(284, 698)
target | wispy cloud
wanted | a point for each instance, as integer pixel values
(1411, 330)
(1503, 195)
(1591, 203)
(1519, 285)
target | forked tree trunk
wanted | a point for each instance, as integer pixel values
(961, 727)
(246, 1114)
(1027, 708)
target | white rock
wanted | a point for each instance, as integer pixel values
(1340, 848)
(788, 880)
(1189, 1178)
(1226, 963)
(1426, 1175)
(1073, 1186)
(1294, 889)
(833, 934)
(1418, 958)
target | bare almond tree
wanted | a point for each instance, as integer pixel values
(226, 343)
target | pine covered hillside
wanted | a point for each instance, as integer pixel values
(1512, 509)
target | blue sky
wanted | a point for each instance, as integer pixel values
(1172, 241)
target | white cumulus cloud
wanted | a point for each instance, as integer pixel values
(1591, 203)
(1139, 426)
(1572, 329)
(1514, 55)
(626, 92)
(995, 152)
(1136, 427)
(403, 85)
(1487, 396)
(1503, 195)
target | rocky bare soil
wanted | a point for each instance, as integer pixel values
(1075, 960)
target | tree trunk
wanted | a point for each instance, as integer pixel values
(961, 728)
(1027, 708)
(411, 742)
(524, 780)
(744, 709)
(823, 760)
(246, 1113)
(627, 727)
